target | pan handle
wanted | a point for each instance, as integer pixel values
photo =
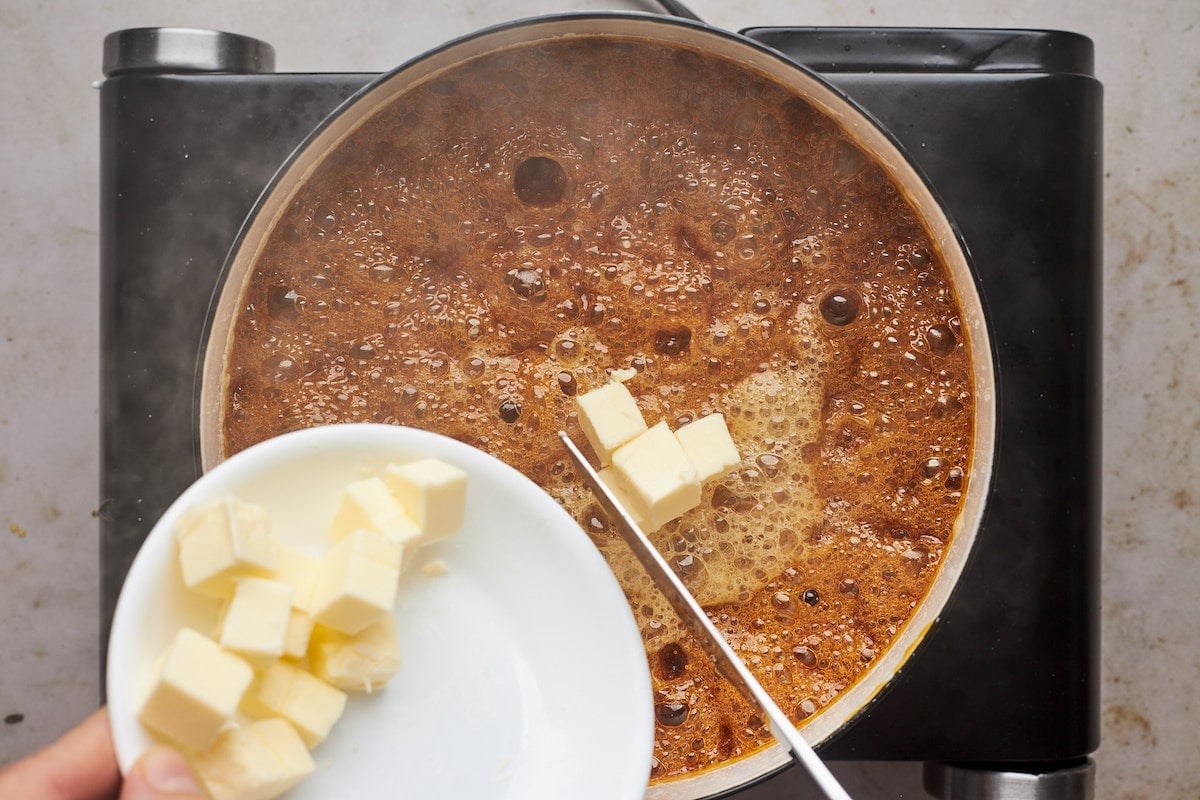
(676, 9)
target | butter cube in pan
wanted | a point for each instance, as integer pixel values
(433, 492)
(308, 703)
(223, 541)
(360, 663)
(357, 582)
(609, 417)
(196, 691)
(368, 504)
(258, 761)
(707, 444)
(255, 625)
(617, 486)
(657, 477)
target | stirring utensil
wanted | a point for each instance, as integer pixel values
(728, 663)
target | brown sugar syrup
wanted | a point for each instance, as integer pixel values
(501, 238)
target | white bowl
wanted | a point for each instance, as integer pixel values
(523, 672)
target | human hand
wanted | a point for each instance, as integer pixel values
(83, 766)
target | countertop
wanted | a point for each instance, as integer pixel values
(1148, 58)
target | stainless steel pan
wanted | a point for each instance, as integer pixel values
(714, 43)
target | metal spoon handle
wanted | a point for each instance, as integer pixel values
(727, 661)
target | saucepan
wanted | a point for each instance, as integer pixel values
(555, 181)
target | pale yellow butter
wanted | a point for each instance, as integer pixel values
(256, 620)
(357, 581)
(433, 493)
(223, 541)
(300, 571)
(299, 630)
(658, 479)
(623, 374)
(614, 483)
(259, 761)
(368, 504)
(435, 568)
(708, 446)
(610, 418)
(196, 691)
(363, 662)
(310, 704)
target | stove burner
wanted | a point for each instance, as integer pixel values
(1006, 125)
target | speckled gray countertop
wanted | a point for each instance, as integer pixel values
(1148, 57)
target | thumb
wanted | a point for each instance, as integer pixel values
(161, 774)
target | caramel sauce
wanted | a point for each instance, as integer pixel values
(505, 235)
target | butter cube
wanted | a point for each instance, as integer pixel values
(310, 704)
(658, 478)
(196, 692)
(614, 483)
(610, 417)
(255, 762)
(435, 568)
(299, 630)
(623, 374)
(707, 444)
(300, 571)
(357, 582)
(256, 621)
(368, 504)
(363, 662)
(433, 492)
(224, 541)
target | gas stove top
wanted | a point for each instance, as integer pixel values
(1005, 124)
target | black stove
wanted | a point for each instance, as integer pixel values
(1002, 697)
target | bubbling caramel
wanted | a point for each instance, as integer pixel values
(504, 235)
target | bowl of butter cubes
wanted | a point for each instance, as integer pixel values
(360, 611)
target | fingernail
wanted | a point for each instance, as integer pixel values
(166, 770)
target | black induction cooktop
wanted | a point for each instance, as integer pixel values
(1006, 125)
